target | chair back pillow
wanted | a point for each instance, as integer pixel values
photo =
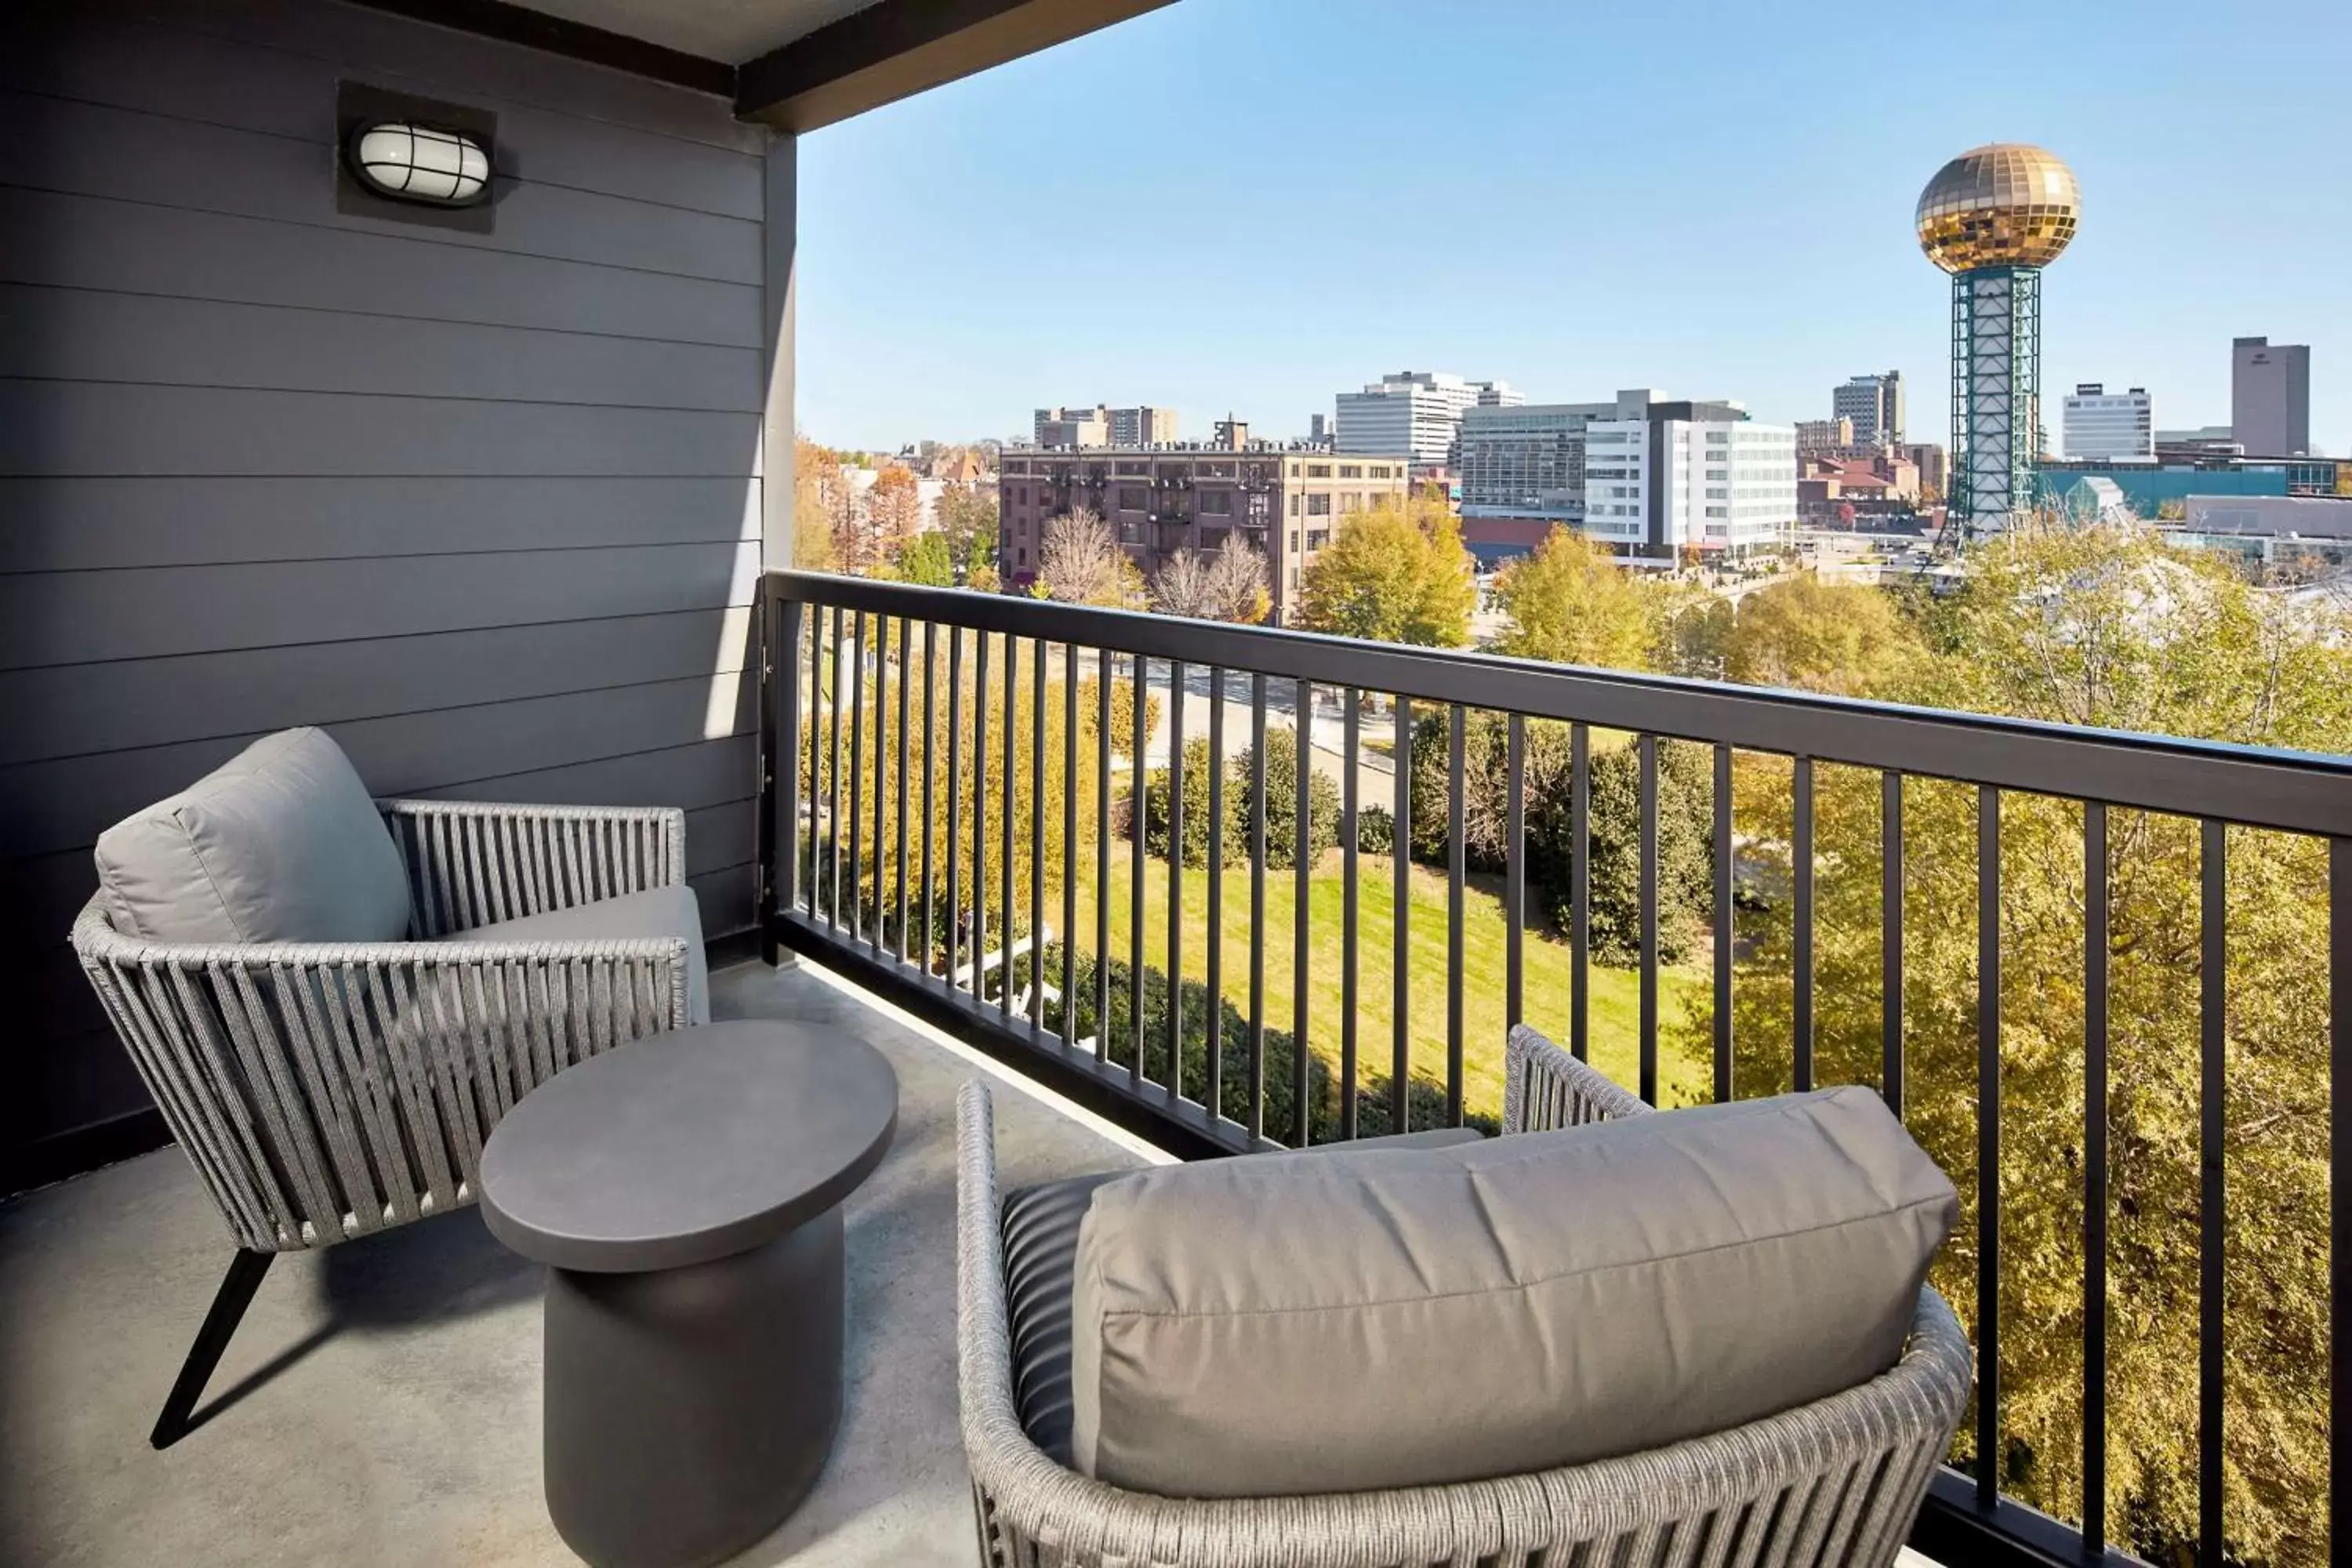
(1255, 1328)
(280, 843)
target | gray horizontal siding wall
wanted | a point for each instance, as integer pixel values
(483, 504)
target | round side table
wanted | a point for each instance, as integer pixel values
(685, 1192)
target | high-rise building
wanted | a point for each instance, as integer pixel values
(1994, 218)
(1284, 499)
(2270, 397)
(1928, 459)
(1102, 426)
(1646, 475)
(1414, 414)
(1874, 403)
(1142, 427)
(1825, 434)
(1071, 427)
(2119, 425)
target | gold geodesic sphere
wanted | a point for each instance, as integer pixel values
(2007, 205)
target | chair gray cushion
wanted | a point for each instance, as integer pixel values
(1254, 1328)
(280, 843)
(656, 912)
(1041, 1249)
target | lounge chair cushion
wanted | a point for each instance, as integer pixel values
(1041, 1251)
(280, 843)
(1254, 1328)
(668, 911)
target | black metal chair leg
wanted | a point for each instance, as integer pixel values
(235, 1294)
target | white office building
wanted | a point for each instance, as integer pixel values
(2116, 426)
(1688, 478)
(1644, 474)
(1415, 415)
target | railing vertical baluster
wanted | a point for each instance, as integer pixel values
(1007, 765)
(979, 812)
(2340, 1166)
(930, 767)
(786, 662)
(955, 806)
(815, 749)
(881, 774)
(2212, 1008)
(1350, 725)
(1515, 876)
(1069, 844)
(1724, 913)
(1175, 879)
(834, 781)
(1102, 854)
(1137, 795)
(2095, 1179)
(1038, 834)
(857, 774)
(1647, 749)
(1890, 940)
(1457, 867)
(1213, 958)
(1580, 891)
(1988, 1325)
(1400, 915)
(1302, 857)
(898, 803)
(1257, 910)
(1800, 868)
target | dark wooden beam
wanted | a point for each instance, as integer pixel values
(578, 40)
(900, 48)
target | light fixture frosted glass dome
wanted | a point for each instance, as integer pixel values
(413, 162)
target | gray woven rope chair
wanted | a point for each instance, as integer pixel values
(1833, 1482)
(324, 1090)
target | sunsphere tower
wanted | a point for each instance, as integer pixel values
(1994, 218)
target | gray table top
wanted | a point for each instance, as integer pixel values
(684, 1147)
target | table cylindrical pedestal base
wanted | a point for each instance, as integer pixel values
(689, 1411)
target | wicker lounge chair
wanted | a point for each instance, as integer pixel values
(1833, 1482)
(326, 1091)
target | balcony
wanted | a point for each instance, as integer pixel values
(966, 795)
(496, 494)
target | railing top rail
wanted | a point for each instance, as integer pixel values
(2299, 792)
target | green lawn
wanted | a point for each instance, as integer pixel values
(1616, 1000)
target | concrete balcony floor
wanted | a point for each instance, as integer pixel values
(381, 1403)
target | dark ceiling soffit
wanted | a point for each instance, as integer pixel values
(898, 48)
(576, 41)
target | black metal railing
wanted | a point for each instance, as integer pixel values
(933, 949)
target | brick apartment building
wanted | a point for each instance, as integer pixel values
(1158, 500)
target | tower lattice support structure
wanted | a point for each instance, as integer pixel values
(1996, 395)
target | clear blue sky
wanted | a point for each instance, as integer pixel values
(1253, 204)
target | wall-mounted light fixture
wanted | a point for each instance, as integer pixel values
(410, 161)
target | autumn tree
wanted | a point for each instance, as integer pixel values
(820, 502)
(1393, 574)
(1237, 578)
(967, 519)
(1227, 583)
(2101, 627)
(894, 511)
(1570, 602)
(1081, 561)
(1844, 638)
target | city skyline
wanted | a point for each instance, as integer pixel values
(1796, 272)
